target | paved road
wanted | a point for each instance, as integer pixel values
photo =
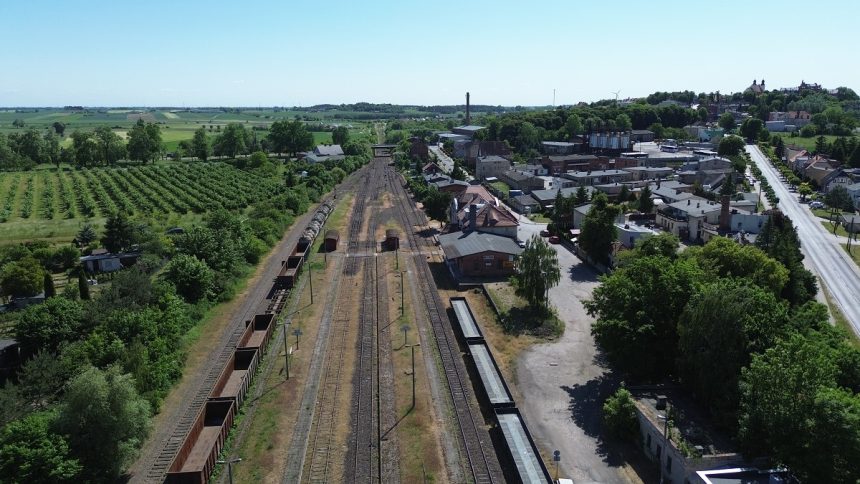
(822, 250)
(444, 161)
(565, 382)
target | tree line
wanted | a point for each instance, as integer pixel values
(98, 367)
(738, 327)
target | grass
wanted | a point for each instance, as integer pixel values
(805, 143)
(539, 218)
(517, 317)
(502, 187)
(840, 230)
(838, 317)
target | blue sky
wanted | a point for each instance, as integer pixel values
(297, 52)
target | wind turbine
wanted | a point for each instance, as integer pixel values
(616, 95)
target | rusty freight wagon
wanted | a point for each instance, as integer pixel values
(257, 332)
(392, 239)
(234, 380)
(199, 452)
(331, 239)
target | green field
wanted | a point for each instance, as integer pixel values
(176, 125)
(806, 143)
(52, 204)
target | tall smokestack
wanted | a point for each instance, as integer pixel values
(468, 116)
(725, 214)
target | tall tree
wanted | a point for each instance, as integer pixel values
(48, 326)
(59, 128)
(340, 135)
(290, 137)
(791, 409)
(581, 196)
(751, 127)
(119, 233)
(111, 148)
(778, 239)
(232, 141)
(48, 284)
(144, 142)
(637, 308)
(21, 278)
(646, 204)
(727, 122)
(537, 272)
(83, 286)
(31, 452)
(86, 235)
(719, 331)
(200, 144)
(598, 229)
(106, 421)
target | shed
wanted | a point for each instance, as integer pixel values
(392, 239)
(331, 238)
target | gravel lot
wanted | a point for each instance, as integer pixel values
(564, 382)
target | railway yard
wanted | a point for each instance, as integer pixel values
(381, 388)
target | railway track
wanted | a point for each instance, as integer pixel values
(475, 442)
(369, 457)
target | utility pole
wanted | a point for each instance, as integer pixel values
(298, 333)
(556, 457)
(402, 283)
(230, 466)
(412, 347)
(286, 352)
(404, 328)
(311, 279)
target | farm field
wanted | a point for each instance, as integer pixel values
(52, 204)
(176, 125)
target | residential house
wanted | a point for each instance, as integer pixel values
(598, 177)
(560, 148)
(468, 196)
(519, 180)
(851, 222)
(524, 204)
(450, 185)
(685, 218)
(546, 198)
(479, 254)
(629, 233)
(854, 193)
(491, 166)
(100, 260)
(431, 169)
(493, 219)
(797, 119)
(669, 194)
(474, 149)
(821, 171)
(580, 211)
(324, 153)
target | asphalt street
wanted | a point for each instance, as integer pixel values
(444, 161)
(823, 251)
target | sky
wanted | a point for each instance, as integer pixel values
(300, 53)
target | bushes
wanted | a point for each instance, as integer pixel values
(619, 415)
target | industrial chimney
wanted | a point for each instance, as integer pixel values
(468, 116)
(473, 217)
(725, 214)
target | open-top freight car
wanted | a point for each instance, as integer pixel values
(199, 453)
(234, 380)
(257, 332)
